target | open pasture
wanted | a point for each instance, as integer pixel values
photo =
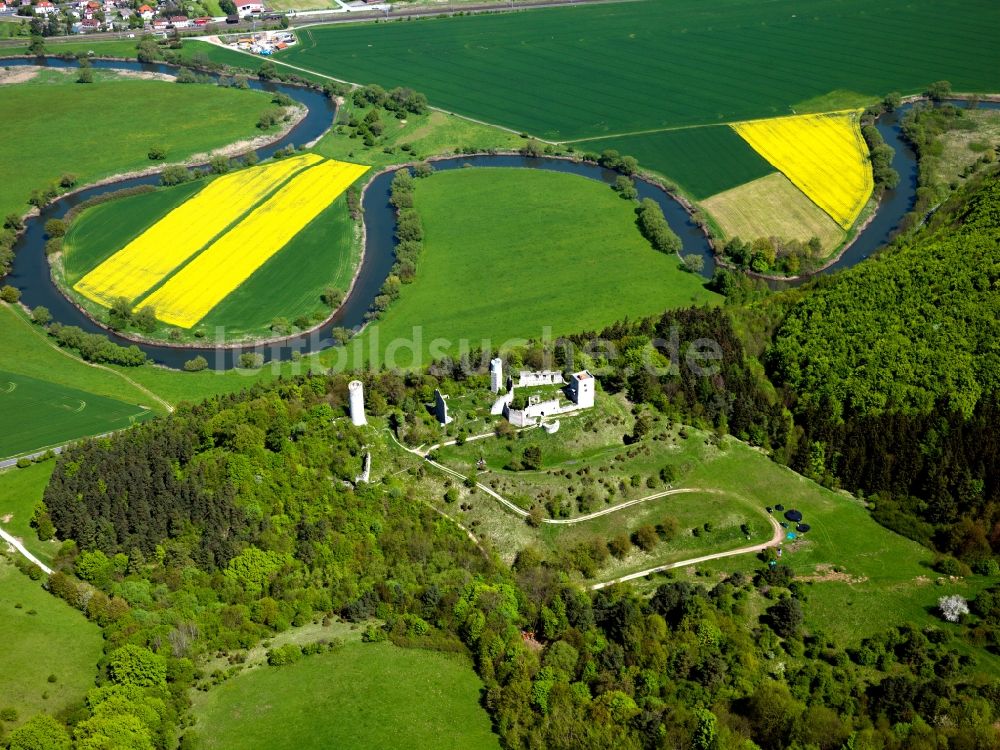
(175, 238)
(42, 636)
(364, 695)
(515, 252)
(45, 414)
(602, 70)
(823, 155)
(108, 127)
(192, 292)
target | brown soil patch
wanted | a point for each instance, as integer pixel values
(6, 518)
(826, 572)
(18, 75)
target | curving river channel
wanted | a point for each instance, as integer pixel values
(31, 274)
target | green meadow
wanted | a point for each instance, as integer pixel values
(20, 491)
(362, 696)
(107, 128)
(43, 637)
(511, 252)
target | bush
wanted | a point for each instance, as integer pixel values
(157, 153)
(10, 294)
(41, 316)
(197, 364)
(251, 360)
(654, 227)
(287, 654)
(55, 228)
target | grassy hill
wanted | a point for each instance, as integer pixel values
(364, 695)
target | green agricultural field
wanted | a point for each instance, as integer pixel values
(360, 696)
(45, 414)
(43, 636)
(288, 286)
(324, 254)
(702, 161)
(101, 231)
(605, 70)
(20, 491)
(511, 252)
(183, 119)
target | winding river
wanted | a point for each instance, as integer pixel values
(31, 274)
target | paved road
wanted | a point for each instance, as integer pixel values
(13, 542)
(776, 539)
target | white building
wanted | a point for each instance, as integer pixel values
(581, 389)
(356, 389)
(531, 378)
(250, 7)
(496, 374)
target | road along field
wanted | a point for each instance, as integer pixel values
(823, 155)
(199, 286)
(37, 413)
(175, 238)
(773, 207)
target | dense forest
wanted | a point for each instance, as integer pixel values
(892, 371)
(213, 528)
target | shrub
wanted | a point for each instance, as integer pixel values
(196, 364)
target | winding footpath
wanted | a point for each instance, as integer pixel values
(777, 536)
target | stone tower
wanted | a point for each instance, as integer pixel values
(496, 374)
(357, 391)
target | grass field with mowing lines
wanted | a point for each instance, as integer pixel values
(20, 491)
(178, 236)
(702, 161)
(185, 120)
(364, 695)
(773, 207)
(42, 637)
(509, 251)
(579, 72)
(203, 283)
(45, 414)
(823, 155)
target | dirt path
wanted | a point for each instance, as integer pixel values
(13, 542)
(776, 539)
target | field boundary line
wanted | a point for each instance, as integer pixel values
(138, 386)
(16, 544)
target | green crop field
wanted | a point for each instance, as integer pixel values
(39, 413)
(702, 161)
(20, 491)
(101, 231)
(289, 285)
(509, 252)
(598, 70)
(42, 636)
(183, 119)
(360, 696)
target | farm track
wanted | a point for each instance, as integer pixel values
(16, 544)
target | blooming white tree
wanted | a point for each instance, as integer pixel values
(953, 607)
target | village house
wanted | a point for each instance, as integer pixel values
(44, 8)
(253, 6)
(146, 13)
(179, 22)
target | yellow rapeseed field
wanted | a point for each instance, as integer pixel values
(824, 155)
(204, 282)
(167, 244)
